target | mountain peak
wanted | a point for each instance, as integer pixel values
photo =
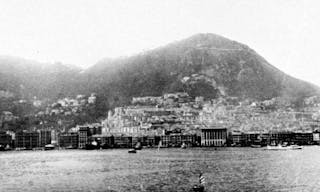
(204, 64)
(210, 40)
(214, 65)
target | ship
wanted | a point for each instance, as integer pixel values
(256, 146)
(138, 146)
(49, 147)
(281, 147)
(132, 151)
(199, 187)
(91, 146)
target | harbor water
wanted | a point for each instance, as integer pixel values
(224, 169)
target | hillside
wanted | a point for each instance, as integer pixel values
(204, 64)
(26, 78)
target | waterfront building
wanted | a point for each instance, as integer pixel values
(84, 133)
(303, 137)
(215, 136)
(54, 137)
(237, 138)
(105, 141)
(69, 140)
(5, 139)
(44, 137)
(273, 138)
(176, 140)
(150, 141)
(316, 136)
(123, 142)
(28, 140)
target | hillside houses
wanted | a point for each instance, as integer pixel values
(179, 113)
(154, 115)
(169, 115)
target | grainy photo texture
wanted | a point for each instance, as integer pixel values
(159, 96)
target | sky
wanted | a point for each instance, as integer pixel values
(82, 32)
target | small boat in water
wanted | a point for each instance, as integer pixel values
(71, 147)
(8, 148)
(91, 146)
(199, 187)
(256, 146)
(183, 146)
(280, 147)
(296, 147)
(132, 151)
(138, 146)
(49, 147)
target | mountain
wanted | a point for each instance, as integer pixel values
(26, 78)
(204, 64)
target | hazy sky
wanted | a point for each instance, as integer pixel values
(81, 32)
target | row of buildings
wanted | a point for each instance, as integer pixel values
(91, 137)
(176, 118)
(26, 139)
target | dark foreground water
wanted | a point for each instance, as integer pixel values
(225, 169)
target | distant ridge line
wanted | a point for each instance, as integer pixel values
(219, 49)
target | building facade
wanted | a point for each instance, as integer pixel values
(216, 137)
(27, 140)
(84, 133)
(69, 140)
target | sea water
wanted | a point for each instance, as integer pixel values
(174, 169)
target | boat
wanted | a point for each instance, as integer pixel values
(132, 151)
(280, 147)
(91, 146)
(294, 147)
(20, 148)
(199, 187)
(256, 146)
(138, 146)
(183, 146)
(7, 148)
(71, 147)
(49, 147)
(257, 143)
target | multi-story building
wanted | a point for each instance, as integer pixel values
(237, 138)
(176, 140)
(5, 139)
(84, 133)
(95, 129)
(44, 137)
(215, 136)
(28, 140)
(69, 140)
